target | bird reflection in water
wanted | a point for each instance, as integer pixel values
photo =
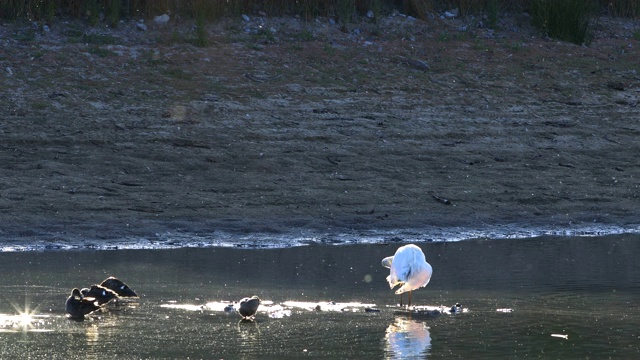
(407, 339)
(248, 329)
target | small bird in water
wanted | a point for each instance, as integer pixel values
(118, 287)
(457, 308)
(77, 306)
(100, 293)
(409, 268)
(248, 307)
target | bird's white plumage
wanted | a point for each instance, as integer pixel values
(409, 268)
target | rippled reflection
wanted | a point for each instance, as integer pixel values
(407, 339)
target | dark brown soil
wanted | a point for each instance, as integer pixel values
(404, 124)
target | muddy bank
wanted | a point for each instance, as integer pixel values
(117, 133)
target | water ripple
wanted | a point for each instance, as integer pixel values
(295, 238)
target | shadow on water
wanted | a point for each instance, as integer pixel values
(541, 297)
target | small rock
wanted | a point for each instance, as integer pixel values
(451, 13)
(418, 64)
(295, 88)
(442, 200)
(97, 105)
(141, 26)
(370, 14)
(209, 97)
(262, 13)
(246, 18)
(45, 28)
(161, 19)
(9, 71)
(616, 85)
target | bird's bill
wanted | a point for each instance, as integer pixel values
(386, 262)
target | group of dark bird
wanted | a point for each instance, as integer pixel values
(88, 300)
(85, 301)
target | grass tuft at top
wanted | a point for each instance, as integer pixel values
(568, 20)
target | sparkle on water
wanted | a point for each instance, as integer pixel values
(548, 297)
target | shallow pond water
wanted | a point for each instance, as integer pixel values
(547, 297)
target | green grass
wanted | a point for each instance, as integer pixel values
(329, 50)
(264, 36)
(101, 52)
(177, 74)
(202, 36)
(40, 105)
(624, 8)
(444, 36)
(344, 10)
(25, 36)
(515, 46)
(75, 34)
(93, 12)
(38, 54)
(493, 9)
(568, 20)
(113, 12)
(305, 35)
(152, 58)
(99, 39)
(296, 47)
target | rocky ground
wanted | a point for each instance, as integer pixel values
(281, 125)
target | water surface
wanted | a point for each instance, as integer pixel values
(547, 297)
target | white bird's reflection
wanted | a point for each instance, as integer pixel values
(407, 339)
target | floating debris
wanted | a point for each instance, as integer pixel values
(328, 306)
(430, 311)
(442, 200)
(562, 336)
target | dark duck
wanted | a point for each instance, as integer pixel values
(78, 306)
(119, 287)
(102, 294)
(248, 307)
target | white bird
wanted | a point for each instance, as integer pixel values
(409, 268)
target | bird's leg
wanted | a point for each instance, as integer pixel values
(401, 295)
(409, 298)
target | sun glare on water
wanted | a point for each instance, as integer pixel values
(26, 320)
